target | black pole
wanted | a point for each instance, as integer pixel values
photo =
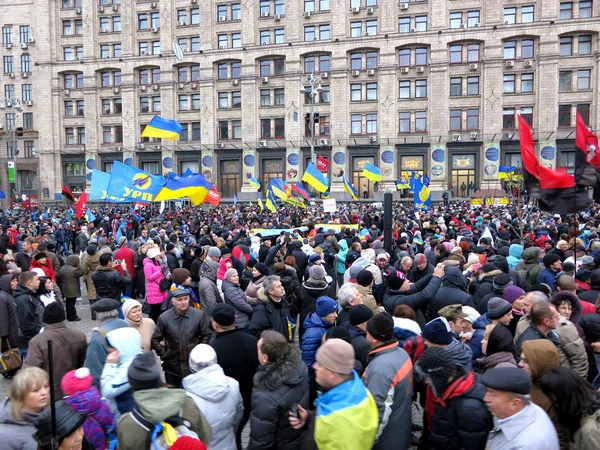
(54, 441)
(387, 222)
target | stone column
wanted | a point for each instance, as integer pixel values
(491, 163)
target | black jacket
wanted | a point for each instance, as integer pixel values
(464, 423)
(181, 333)
(236, 354)
(23, 260)
(358, 339)
(590, 296)
(415, 274)
(29, 313)
(417, 298)
(301, 260)
(453, 291)
(172, 261)
(9, 326)
(483, 286)
(270, 315)
(590, 323)
(309, 292)
(278, 387)
(109, 283)
(532, 333)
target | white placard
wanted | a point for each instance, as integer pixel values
(329, 205)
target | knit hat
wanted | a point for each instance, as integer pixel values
(381, 327)
(201, 357)
(317, 272)
(144, 373)
(511, 293)
(153, 252)
(76, 381)
(586, 260)
(437, 368)
(395, 280)
(214, 252)
(364, 278)
(339, 333)
(188, 443)
(122, 240)
(53, 313)
(128, 305)
(354, 271)
(223, 314)
(438, 331)
(180, 275)
(40, 255)
(225, 251)
(360, 314)
(487, 268)
(550, 258)
(314, 257)
(498, 307)
(262, 268)
(501, 281)
(101, 241)
(336, 355)
(325, 306)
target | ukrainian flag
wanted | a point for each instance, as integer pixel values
(196, 188)
(401, 184)
(349, 188)
(259, 201)
(505, 171)
(278, 188)
(271, 201)
(325, 195)
(254, 183)
(371, 172)
(315, 178)
(422, 195)
(162, 128)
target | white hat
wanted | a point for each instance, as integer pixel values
(39, 272)
(471, 312)
(202, 356)
(153, 252)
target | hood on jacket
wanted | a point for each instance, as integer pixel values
(343, 244)
(595, 279)
(501, 263)
(561, 296)
(88, 400)
(460, 353)
(210, 383)
(515, 250)
(72, 260)
(6, 418)
(5, 283)
(488, 276)
(353, 330)
(209, 269)
(530, 255)
(453, 278)
(157, 405)
(407, 324)
(127, 341)
(315, 287)
(314, 321)
(290, 371)
(541, 355)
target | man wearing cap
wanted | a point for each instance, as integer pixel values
(357, 327)
(388, 377)
(455, 317)
(552, 266)
(518, 423)
(181, 328)
(346, 413)
(28, 308)
(106, 310)
(69, 346)
(236, 354)
(438, 333)
(499, 312)
(208, 292)
(314, 287)
(420, 268)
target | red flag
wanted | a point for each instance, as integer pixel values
(548, 178)
(67, 193)
(80, 205)
(322, 164)
(213, 197)
(587, 142)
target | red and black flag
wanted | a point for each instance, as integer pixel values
(587, 161)
(67, 193)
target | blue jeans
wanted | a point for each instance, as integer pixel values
(23, 354)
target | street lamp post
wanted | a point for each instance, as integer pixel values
(311, 85)
(9, 104)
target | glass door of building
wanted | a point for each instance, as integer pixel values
(463, 174)
(360, 182)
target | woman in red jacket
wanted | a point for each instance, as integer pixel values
(41, 261)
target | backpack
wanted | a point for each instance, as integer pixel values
(163, 435)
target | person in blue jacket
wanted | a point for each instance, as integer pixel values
(552, 266)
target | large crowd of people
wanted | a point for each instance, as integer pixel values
(306, 329)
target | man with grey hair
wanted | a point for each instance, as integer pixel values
(273, 310)
(529, 300)
(404, 265)
(348, 296)
(106, 310)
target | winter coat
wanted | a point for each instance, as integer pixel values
(530, 267)
(156, 405)
(97, 350)
(172, 261)
(47, 268)
(181, 333)
(388, 377)
(478, 330)
(358, 339)
(417, 300)
(236, 297)
(277, 388)
(89, 264)
(514, 255)
(145, 327)
(289, 281)
(100, 419)
(499, 359)
(301, 261)
(529, 429)
(81, 242)
(208, 292)
(588, 435)
(483, 286)
(69, 347)
(341, 257)
(414, 274)
(310, 291)
(16, 434)
(29, 314)
(70, 275)
(272, 315)
(548, 277)
(252, 290)
(368, 298)
(314, 330)
(110, 283)
(590, 324)
(460, 354)
(453, 291)
(9, 325)
(462, 399)
(153, 275)
(23, 260)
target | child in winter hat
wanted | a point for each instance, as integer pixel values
(85, 398)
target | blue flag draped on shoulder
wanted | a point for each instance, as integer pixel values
(99, 188)
(422, 195)
(133, 185)
(315, 178)
(349, 188)
(162, 128)
(196, 188)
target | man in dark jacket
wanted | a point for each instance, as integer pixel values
(172, 260)
(552, 266)
(108, 282)
(482, 285)
(499, 283)
(314, 287)
(236, 354)
(453, 291)
(388, 377)
(182, 328)
(458, 415)
(29, 309)
(272, 313)
(592, 295)
(301, 258)
(23, 258)
(9, 325)
(420, 269)
(357, 326)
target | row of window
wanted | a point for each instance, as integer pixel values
(13, 150)
(9, 64)
(11, 121)
(24, 34)
(26, 92)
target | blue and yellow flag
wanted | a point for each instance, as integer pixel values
(99, 188)
(505, 171)
(235, 200)
(271, 202)
(422, 195)
(196, 188)
(89, 215)
(401, 184)
(259, 201)
(315, 178)
(133, 185)
(325, 195)
(278, 187)
(162, 128)
(254, 183)
(349, 188)
(370, 172)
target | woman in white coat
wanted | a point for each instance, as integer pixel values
(217, 396)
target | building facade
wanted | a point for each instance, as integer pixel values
(428, 86)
